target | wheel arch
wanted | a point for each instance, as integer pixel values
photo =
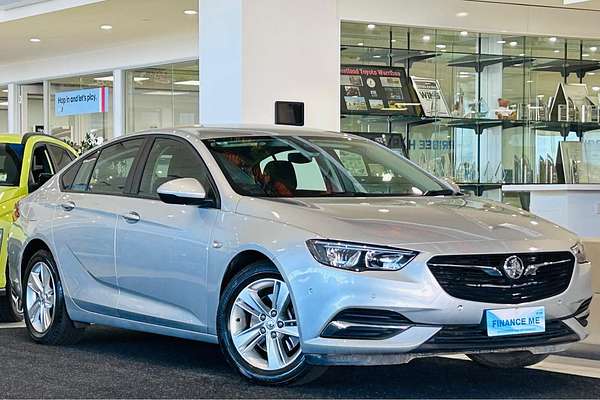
(240, 261)
(30, 249)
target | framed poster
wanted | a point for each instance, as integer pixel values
(376, 90)
(430, 96)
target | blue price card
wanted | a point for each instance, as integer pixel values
(515, 321)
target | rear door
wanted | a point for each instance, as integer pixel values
(85, 222)
(162, 249)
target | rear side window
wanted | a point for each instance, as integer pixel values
(68, 177)
(82, 175)
(11, 158)
(60, 157)
(113, 167)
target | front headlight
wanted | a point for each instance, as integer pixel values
(579, 252)
(356, 257)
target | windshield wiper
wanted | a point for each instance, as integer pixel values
(442, 192)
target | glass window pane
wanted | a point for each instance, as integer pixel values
(77, 123)
(114, 166)
(365, 34)
(162, 96)
(60, 157)
(171, 159)
(80, 183)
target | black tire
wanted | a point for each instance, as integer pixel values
(61, 331)
(516, 359)
(9, 310)
(299, 372)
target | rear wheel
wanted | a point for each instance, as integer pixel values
(11, 309)
(258, 330)
(44, 303)
(516, 359)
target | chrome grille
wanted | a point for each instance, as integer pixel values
(481, 277)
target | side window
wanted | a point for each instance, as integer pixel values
(84, 171)
(60, 157)
(113, 167)
(171, 159)
(68, 177)
(40, 164)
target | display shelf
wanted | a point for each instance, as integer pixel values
(497, 89)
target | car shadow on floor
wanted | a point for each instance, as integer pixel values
(156, 366)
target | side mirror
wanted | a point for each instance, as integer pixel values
(186, 191)
(450, 182)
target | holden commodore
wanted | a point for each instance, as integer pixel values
(294, 250)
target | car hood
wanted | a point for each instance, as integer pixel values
(408, 221)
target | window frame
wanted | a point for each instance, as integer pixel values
(30, 180)
(144, 157)
(98, 152)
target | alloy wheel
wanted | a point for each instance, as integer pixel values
(263, 326)
(41, 297)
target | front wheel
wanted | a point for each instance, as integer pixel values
(515, 359)
(44, 303)
(258, 330)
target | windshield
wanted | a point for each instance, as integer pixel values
(11, 157)
(294, 166)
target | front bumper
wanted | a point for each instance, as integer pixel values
(321, 293)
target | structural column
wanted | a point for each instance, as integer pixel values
(119, 83)
(14, 107)
(253, 53)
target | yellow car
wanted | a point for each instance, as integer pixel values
(26, 163)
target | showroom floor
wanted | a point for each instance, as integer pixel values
(110, 363)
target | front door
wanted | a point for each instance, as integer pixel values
(86, 221)
(162, 249)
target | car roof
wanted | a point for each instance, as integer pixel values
(15, 138)
(221, 131)
(10, 138)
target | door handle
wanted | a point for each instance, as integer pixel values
(132, 217)
(68, 205)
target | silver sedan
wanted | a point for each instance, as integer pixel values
(294, 250)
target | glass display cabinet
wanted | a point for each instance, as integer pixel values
(503, 103)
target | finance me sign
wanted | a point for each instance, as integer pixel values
(77, 102)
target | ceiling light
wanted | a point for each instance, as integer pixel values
(596, 88)
(35, 40)
(4, 103)
(522, 55)
(443, 50)
(6, 90)
(557, 51)
(190, 12)
(360, 44)
(140, 78)
(105, 79)
(585, 55)
(513, 44)
(426, 38)
(593, 48)
(190, 83)
(462, 14)
(376, 56)
(106, 27)
(552, 39)
(464, 33)
(501, 41)
(393, 40)
(589, 73)
(440, 46)
(371, 26)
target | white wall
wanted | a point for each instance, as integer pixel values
(483, 17)
(254, 53)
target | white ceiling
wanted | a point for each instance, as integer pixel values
(10, 4)
(78, 29)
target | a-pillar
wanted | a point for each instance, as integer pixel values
(256, 52)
